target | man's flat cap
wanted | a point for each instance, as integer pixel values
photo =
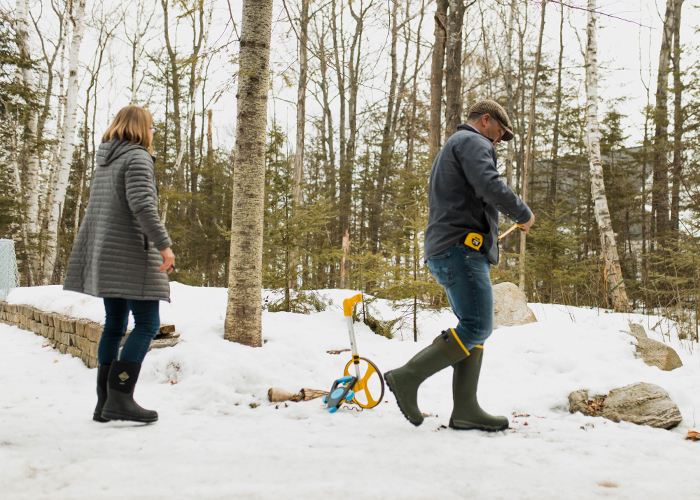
(496, 111)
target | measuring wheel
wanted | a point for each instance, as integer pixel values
(369, 388)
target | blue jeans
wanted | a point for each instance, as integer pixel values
(464, 273)
(147, 323)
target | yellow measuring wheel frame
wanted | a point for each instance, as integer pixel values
(362, 387)
(366, 386)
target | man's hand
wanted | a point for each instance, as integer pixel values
(168, 260)
(526, 227)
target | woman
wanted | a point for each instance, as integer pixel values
(122, 254)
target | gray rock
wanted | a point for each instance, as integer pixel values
(510, 306)
(653, 352)
(638, 330)
(640, 403)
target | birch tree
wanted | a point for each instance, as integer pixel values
(611, 260)
(68, 142)
(244, 311)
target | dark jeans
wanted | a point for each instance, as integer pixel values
(147, 323)
(464, 273)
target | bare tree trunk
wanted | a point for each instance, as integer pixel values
(409, 167)
(436, 77)
(301, 121)
(175, 86)
(135, 55)
(528, 143)
(453, 67)
(659, 195)
(613, 272)
(356, 58)
(195, 84)
(677, 121)
(210, 137)
(643, 207)
(70, 121)
(401, 88)
(509, 89)
(411, 136)
(327, 118)
(510, 146)
(244, 311)
(143, 22)
(102, 40)
(326, 125)
(487, 50)
(59, 45)
(557, 114)
(348, 160)
(344, 177)
(301, 99)
(522, 31)
(386, 147)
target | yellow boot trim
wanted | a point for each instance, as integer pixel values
(454, 334)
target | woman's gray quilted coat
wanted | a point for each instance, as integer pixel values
(116, 253)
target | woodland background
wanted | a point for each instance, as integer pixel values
(350, 140)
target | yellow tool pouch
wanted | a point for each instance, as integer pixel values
(474, 240)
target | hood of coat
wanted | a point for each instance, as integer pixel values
(111, 150)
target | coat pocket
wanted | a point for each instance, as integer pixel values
(145, 243)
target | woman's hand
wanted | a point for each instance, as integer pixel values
(168, 260)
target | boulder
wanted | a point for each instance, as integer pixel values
(510, 306)
(640, 403)
(653, 352)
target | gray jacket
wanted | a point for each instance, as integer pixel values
(116, 253)
(466, 195)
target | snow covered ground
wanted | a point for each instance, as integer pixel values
(213, 442)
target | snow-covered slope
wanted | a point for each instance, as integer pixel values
(213, 442)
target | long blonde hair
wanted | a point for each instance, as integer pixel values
(131, 124)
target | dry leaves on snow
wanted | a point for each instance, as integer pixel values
(595, 405)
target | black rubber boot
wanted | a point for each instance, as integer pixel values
(467, 414)
(120, 404)
(445, 350)
(102, 375)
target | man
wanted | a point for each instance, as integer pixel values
(461, 243)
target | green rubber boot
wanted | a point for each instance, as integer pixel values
(467, 414)
(445, 350)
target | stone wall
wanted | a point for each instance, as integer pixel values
(76, 337)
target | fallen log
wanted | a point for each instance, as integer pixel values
(309, 394)
(279, 395)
